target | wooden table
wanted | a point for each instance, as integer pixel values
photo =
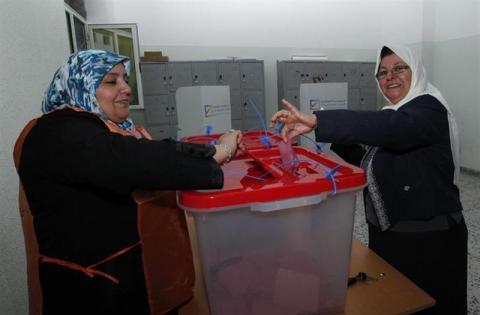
(391, 294)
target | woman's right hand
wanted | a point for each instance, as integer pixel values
(228, 146)
(294, 121)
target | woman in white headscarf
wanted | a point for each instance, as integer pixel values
(412, 201)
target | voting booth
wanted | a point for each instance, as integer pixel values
(321, 96)
(201, 108)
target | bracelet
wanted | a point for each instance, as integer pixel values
(227, 149)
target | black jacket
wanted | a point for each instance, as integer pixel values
(413, 166)
(78, 178)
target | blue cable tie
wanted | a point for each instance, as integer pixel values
(266, 141)
(208, 129)
(278, 128)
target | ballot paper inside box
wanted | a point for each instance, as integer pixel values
(277, 243)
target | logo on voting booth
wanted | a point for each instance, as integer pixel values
(216, 110)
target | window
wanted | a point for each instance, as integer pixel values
(122, 39)
(77, 31)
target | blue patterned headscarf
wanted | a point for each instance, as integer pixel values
(76, 82)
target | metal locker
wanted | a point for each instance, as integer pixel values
(317, 71)
(293, 96)
(368, 98)
(174, 132)
(157, 109)
(252, 123)
(251, 75)
(229, 74)
(292, 74)
(154, 78)
(172, 109)
(306, 76)
(236, 104)
(179, 74)
(333, 72)
(253, 104)
(354, 99)
(367, 75)
(204, 73)
(351, 73)
(237, 124)
(159, 132)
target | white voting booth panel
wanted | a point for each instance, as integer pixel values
(201, 106)
(321, 96)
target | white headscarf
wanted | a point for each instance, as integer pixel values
(420, 86)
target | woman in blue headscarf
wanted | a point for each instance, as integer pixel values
(79, 164)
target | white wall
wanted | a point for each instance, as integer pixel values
(33, 42)
(452, 41)
(264, 23)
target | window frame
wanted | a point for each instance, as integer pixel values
(136, 53)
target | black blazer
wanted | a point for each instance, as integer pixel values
(413, 166)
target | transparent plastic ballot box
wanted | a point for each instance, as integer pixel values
(276, 239)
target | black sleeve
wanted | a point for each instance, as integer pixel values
(78, 149)
(422, 121)
(351, 153)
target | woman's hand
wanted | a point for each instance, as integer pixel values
(295, 122)
(228, 146)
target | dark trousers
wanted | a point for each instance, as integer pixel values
(435, 261)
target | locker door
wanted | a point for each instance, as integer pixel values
(251, 75)
(307, 72)
(172, 109)
(293, 96)
(157, 109)
(159, 132)
(317, 71)
(292, 75)
(236, 104)
(154, 78)
(256, 109)
(252, 123)
(237, 124)
(333, 72)
(367, 75)
(229, 74)
(354, 99)
(351, 73)
(204, 73)
(179, 74)
(368, 98)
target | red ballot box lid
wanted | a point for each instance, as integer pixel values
(261, 178)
